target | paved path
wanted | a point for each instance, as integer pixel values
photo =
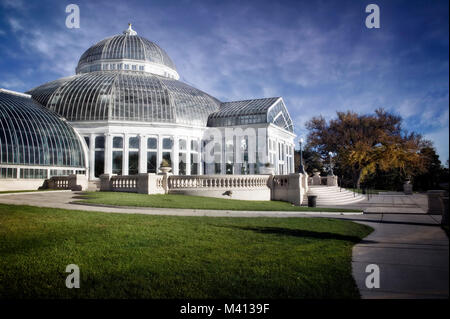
(65, 199)
(407, 244)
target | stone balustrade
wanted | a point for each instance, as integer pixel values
(142, 183)
(218, 181)
(290, 188)
(127, 183)
(75, 182)
(252, 187)
(316, 179)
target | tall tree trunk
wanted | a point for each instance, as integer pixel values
(358, 183)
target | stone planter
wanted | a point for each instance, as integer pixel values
(408, 188)
(316, 178)
(165, 169)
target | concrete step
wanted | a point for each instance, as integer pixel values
(93, 186)
(335, 194)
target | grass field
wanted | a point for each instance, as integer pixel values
(143, 256)
(196, 202)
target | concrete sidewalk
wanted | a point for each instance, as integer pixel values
(408, 245)
(412, 254)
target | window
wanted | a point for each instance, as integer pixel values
(100, 142)
(152, 155)
(141, 68)
(99, 159)
(133, 155)
(99, 165)
(194, 145)
(182, 163)
(167, 143)
(6, 172)
(134, 67)
(33, 173)
(117, 155)
(182, 145)
(133, 161)
(152, 143)
(194, 157)
(194, 164)
(117, 162)
(151, 162)
(117, 142)
(134, 142)
(127, 66)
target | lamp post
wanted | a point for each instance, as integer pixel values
(331, 163)
(301, 168)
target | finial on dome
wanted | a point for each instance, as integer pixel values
(129, 31)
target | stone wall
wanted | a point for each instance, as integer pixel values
(291, 188)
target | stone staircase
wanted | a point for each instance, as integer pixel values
(333, 196)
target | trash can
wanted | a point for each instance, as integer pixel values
(312, 200)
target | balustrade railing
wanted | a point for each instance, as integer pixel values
(218, 181)
(127, 183)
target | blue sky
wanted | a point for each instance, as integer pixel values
(317, 55)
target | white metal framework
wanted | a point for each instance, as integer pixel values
(126, 102)
(35, 142)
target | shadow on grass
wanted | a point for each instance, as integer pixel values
(296, 233)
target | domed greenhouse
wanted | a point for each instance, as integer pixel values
(125, 110)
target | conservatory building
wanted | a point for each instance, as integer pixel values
(125, 112)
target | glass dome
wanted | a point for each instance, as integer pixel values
(126, 96)
(34, 136)
(127, 51)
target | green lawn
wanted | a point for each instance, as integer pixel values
(143, 256)
(196, 202)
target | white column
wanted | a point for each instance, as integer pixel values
(142, 154)
(292, 159)
(252, 157)
(108, 153)
(175, 155)
(223, 158)
(125, 155)
(237, 148)
(277, 156)
(188, 156)
(91, 157)
(200, 156)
